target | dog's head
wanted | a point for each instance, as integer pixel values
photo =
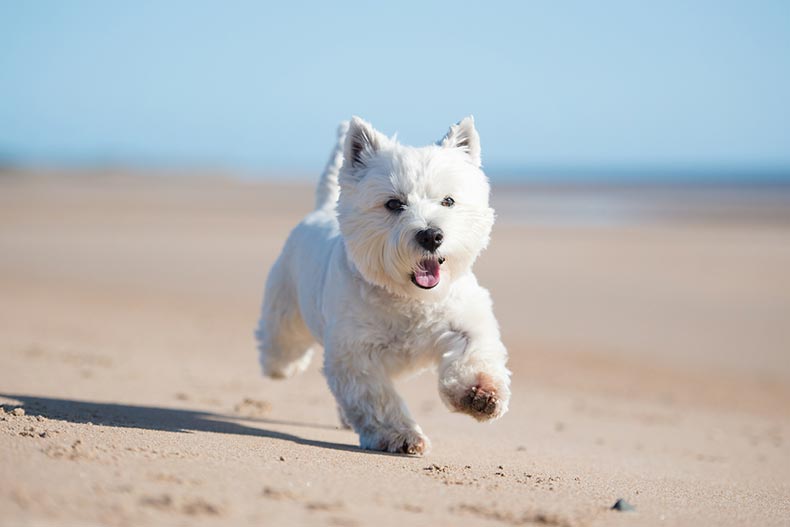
(413, 219)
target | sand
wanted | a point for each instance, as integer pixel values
(651, 362)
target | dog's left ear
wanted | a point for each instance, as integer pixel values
(463, 135)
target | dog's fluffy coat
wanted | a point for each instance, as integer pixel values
(346, 280)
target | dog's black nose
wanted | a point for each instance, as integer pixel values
(430, 239)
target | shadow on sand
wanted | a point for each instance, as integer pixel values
(161, 419)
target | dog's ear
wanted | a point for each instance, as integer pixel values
(362, 142)
(463, 135)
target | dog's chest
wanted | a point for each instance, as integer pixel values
(406, 330)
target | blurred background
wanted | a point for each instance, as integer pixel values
(155, 155)
(619, 91)
(639, 153)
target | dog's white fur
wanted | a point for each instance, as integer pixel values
(344, 280)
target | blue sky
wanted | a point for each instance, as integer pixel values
(260, 86)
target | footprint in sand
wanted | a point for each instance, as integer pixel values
(252, 408)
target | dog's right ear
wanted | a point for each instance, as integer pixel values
(464, 135)
(362, 143)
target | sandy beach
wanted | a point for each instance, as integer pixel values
(650, 358)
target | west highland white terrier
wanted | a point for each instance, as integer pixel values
(380, 274)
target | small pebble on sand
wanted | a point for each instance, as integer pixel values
(622, 506)
(19, 412)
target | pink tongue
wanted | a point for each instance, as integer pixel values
(427, 273)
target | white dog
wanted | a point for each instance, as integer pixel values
(380, 275)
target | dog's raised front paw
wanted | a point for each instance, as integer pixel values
(483, 400)
(410, 442)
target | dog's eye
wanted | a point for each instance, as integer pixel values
(448, 202)
(395, 205)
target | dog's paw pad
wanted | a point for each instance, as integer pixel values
(413, 448)
(481, 401)
(409, 442)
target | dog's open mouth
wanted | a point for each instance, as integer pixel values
(427, 273)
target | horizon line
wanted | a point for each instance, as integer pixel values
(615, 172)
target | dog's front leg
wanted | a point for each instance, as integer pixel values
(473, 377)
(371, 406)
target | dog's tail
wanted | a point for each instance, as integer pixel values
(328, 188)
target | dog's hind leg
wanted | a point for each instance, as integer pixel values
(284, 342)
(343, 421)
